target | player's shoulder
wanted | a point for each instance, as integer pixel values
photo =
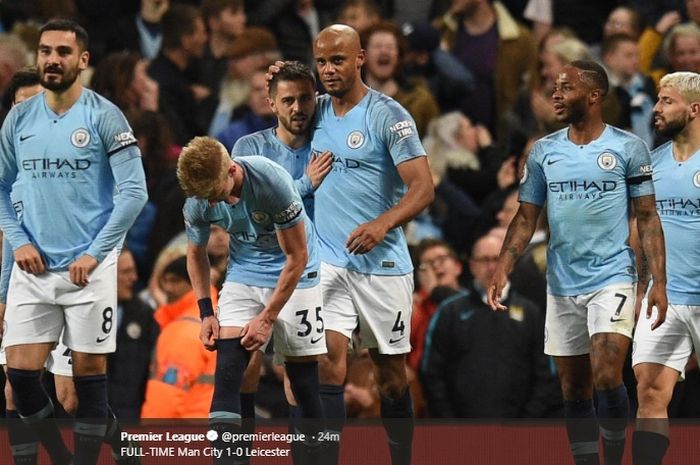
(662, 150)
(97, 102)
(252, 143)
(549, 142)
(379, 103)
(195, 208)
(259, 166)
(628, 142)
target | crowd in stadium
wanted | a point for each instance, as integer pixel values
(477, 76)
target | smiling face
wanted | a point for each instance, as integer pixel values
(60, 60)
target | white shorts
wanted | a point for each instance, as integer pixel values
(571, 321)
(671, 344)
(41, 307)
(298, 330)
(380, 305)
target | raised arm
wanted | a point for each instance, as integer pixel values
(520, 231)
(651, 237)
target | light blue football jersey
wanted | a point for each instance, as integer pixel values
(677, 188)
(587, 189)
(266, 144)
(367, 143)
(70, 184)
(269, 201)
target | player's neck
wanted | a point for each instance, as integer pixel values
(586, 131)
(63, 101)
(687, 142)
(238, 176)
(294, 141)
(342, 105)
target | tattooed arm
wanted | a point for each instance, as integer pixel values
(520, 232)
(651, 237)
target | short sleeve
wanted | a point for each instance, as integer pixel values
(197, 226)
(115, 132)
(639, 169)
(533, 184)
(399, 132)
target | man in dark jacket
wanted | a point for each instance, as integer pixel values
(128, 367)
(484, 364)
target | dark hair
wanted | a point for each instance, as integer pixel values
(25, 77)
(178, 267)
(211, 8)
(292, 71)
(369, 5)
(611, 43)
(62, 24)
(427, 244)
(593, 74)
(177, 22)
(113, 77)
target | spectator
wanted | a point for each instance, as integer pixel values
(384, 52)
(360, 14)
(254, 49)
(465, 153)
(137, 331)
(424, 60)
(256, 116)
(636, 91)
(225, 20)
(121, 77)
(182, 378)
(184, 38)
(438, 274)
(141, 33)
(13, 57)
(682, 48)
(499, 51)
(467, 339)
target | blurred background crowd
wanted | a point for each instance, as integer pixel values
(476, 75)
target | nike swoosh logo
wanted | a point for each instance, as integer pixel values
(23, 138)
(613, 320)
(394, 341)
(551, 162)
(314, 341)
(98, 340)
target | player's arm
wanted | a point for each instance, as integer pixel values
(130, 199)
(421, 192)
(518, 237)
(292, 241)
(26, 255)
(643, 276)
(651, 237)
(197, 229)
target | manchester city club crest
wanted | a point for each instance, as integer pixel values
(696, 179)
(80, 138)
(260, 217)
(355, 139)
(607, 161)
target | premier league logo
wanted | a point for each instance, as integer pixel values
(355, 139)
(80, 138)
(607, 161)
